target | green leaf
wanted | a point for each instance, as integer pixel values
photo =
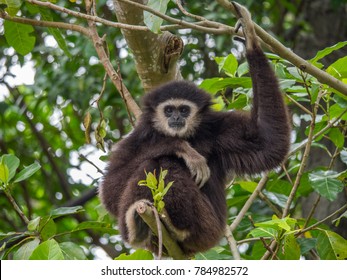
(168, 186)
(229, 64)
(263, 232)
(48, 250)
(160, 206)
(18, 36)
(161, 185)
(72, 251)
(4, 173)
(279, 186)
(25, 251)
(331, 246)
(139, 254)
(306, 244)
(216, 253)
(153, 22)
(239, 103)
(248, 186)
(34, 224)
(278, 199)
(47, 228)
(13, 6)
(290, 249)
(47, 16)
(337, 137)
(12, 163)
(338, 68)
(99, 226)
(63, 211)
(326, 183)
(27, 172)
(163, 174)
(217, 84)
(286, 223)
(243, 69)
(321, 54)
(152, 181)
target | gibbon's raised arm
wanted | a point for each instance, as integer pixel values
(258, 141)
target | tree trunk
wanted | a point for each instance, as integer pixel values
(156, 56)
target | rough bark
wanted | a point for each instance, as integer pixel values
(156, 55)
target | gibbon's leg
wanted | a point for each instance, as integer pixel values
(190, 211)
(133, 229)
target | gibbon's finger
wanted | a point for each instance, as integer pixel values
(238, 25)
(237, 8)
(204, 176)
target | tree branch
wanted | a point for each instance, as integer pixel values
(146, 213)
(112, 73)
(42, 23)
(249, 202)
(287, 54)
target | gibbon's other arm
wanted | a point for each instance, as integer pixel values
(258, 141)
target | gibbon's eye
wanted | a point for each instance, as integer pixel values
(168, 110)
(184, 110)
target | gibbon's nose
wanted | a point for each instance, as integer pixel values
(175, 117)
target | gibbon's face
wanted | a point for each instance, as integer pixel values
(176, 117)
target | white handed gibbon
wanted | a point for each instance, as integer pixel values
(200, 148)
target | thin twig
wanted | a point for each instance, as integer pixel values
(99, 47)
(179, 24)
(299, 105)
(304, 157)
(249, 202)
(223, 29)
(42, 23)
(15, 206)
(262, 239)
(232, 243)
(338, 211)
(90, 162)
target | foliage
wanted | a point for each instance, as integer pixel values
(157, 187)
(49, 207)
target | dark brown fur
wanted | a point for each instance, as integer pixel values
(231, 142)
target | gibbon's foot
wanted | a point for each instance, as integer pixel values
(138, 231)
(175, 233)
(245, 21)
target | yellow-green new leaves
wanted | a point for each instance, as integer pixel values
(157, 187)
(282, 230)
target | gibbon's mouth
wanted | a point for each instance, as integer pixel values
(176, 125)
